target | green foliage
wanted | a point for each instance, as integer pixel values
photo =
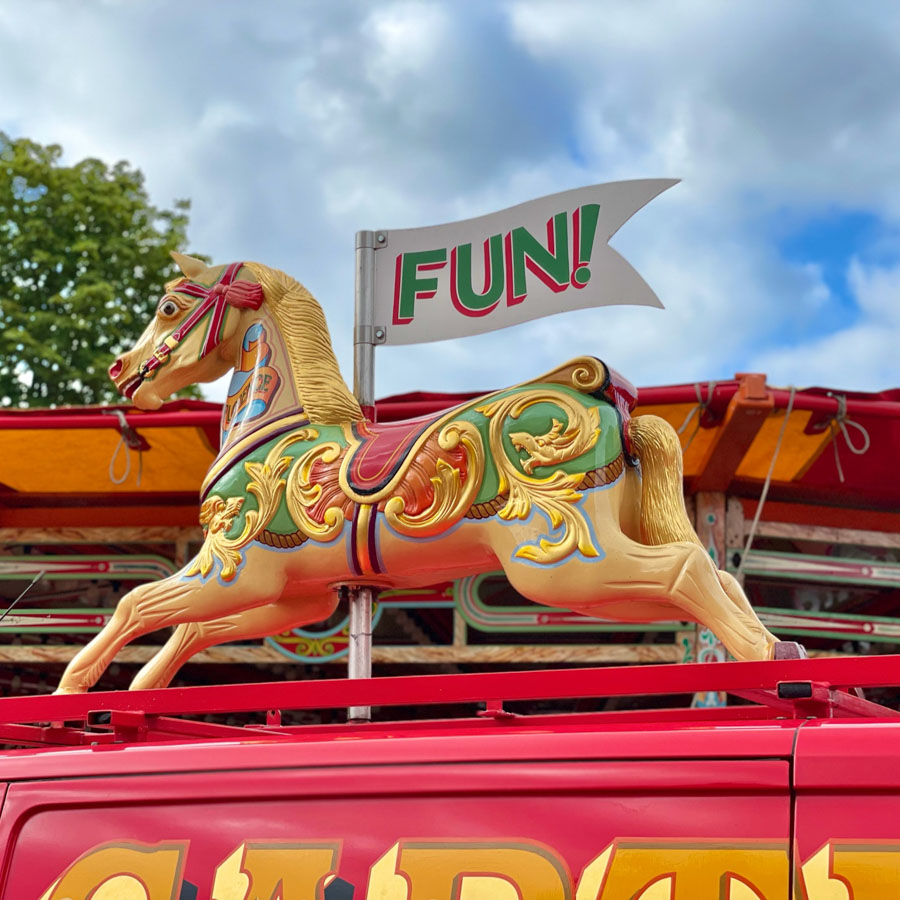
(84, 257)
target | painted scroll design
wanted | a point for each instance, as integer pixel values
(319, 509)
(555, 495)
(451, 463)
(267, 485)
(452, 496)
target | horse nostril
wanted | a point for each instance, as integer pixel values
(115, 369)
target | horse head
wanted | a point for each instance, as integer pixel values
(191, 336)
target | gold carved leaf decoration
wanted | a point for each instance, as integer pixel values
(584, 374)
(218, 515)
(268, 485)
(557, 446)
(452, 496)
(555, 495)
(303, 494)
(588, 374)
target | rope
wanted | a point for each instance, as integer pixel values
(115, 456)
(838, 423)
(698, 410)
(125, 432)
(765, 490)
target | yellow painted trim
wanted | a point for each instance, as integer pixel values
(225, 460)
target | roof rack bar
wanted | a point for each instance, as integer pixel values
(849, 704)
(163, 728)
(768, 698)
(409, 690)
(135, 725)
(690, 715)
(816, 699)
(187, 728)
(37, 736)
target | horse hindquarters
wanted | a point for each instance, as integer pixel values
(664, 519)
(630, 581)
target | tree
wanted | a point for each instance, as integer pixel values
(83, 258)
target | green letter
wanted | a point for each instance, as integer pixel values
(409, 287)
(550, 263)
(464, 297)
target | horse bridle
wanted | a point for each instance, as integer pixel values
(227, 291)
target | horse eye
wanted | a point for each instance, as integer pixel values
(169, 308)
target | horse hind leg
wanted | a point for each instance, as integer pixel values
(190, 638)
(637, 582)
(715, 599)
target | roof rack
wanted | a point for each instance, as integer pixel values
(794, 689)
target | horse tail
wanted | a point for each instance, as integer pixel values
(664, 519)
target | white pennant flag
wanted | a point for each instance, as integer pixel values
(535, 259)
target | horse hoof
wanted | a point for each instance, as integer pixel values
(789, 650)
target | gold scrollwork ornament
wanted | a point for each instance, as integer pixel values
(303, 494)
(267, 484)
(555, 495)
(218, 515)
(452, 497)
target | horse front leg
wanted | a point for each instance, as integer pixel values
(262, 621)
(171, 601)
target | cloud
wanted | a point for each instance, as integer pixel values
(787, 100)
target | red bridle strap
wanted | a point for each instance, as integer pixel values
(227, 291)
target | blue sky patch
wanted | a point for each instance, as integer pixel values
(831, 241)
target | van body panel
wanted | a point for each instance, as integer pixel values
(847, 818)
(535, 826)
(793, 792)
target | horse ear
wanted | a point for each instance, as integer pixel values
(189, 266)
(244, 294)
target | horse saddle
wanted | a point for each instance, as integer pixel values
(378, 450)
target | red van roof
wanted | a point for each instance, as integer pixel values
(777, 694)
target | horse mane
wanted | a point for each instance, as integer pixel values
(323, 391)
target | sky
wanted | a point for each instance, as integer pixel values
(291, 125)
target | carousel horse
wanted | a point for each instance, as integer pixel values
(552, 481)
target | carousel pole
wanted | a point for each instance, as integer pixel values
(365, 336)
(364, 339)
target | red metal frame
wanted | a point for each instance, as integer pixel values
(176, 414)
(202, 414)
(797, 689)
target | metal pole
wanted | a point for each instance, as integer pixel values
(364, 340)
(360, 663)
(364, 325)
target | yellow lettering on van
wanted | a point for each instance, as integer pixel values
(124, 871)
(841, 871)
(593, 876)
(450, 870)
(276, 871)
(682, 871)
(385, 882)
